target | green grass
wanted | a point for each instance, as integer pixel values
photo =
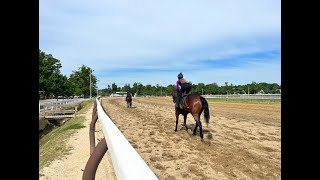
(53, 145)
(250, 101)
(85, 107)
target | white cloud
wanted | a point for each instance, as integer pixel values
(107, 35)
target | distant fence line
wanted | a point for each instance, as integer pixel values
(245, 96)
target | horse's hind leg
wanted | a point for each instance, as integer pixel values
(200, 125)
(195, 116)
(195, 129)
(184, 121)
(201, 133)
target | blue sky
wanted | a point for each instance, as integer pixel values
(152, 41)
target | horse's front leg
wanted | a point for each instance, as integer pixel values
(177, 118)
(185, 120)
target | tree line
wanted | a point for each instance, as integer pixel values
(200, 88)
(52, 83)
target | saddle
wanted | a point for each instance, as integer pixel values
(183, 99)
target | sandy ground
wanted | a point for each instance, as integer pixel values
(71, 167)
(243, 141)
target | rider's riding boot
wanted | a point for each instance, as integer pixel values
(177, 102)
(180, 105)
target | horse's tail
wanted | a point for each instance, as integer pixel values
(205, 107)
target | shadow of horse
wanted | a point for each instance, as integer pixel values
(195, 105)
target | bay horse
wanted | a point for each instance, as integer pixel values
(129, 101)
(195, 105)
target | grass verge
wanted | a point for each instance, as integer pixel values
(53, 145)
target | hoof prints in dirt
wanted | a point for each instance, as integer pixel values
(231, 148)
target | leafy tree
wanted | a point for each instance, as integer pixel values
(56, 84)
(147, 90)
(169, 89)
(127, 88)
(81, 81)
(137, 88)
(48, 66)
(108, 90)
(114, 88)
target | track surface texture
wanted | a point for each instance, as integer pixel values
(243, 141)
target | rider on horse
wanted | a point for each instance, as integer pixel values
(129, 99)
(185, 87)
(128, 95)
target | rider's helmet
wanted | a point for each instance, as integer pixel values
(180, 75)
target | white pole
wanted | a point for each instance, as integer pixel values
(90, 83)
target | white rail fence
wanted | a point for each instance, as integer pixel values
(246, 96)
(53, 104)
(126, 161)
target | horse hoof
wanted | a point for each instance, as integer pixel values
(175, 130)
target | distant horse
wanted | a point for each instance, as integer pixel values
(194, 104)
(129, 101)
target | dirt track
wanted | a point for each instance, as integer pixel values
(243, 141)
